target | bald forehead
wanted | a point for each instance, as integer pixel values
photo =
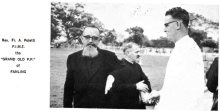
(131, 47)
(91, 31)
(135, 48)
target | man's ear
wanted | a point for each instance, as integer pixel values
(80, 38)
(100, 38)
(126, 52)
(178, 23)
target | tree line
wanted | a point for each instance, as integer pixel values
(69, 20)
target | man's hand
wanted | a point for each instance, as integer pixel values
(155, 93)
(147, 98)
(141, 86)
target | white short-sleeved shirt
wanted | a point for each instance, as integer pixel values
(184, 79)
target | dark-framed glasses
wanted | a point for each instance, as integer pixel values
(94, 38)
(167, 24)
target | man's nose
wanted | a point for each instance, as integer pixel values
(165, 30)
(90, 39)
(139, 54)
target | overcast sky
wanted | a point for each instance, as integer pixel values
(148, 16)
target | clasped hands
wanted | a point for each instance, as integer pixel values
(148, 98)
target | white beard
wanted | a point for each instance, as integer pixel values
(90, 51)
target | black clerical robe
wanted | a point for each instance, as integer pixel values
(125, 94)
(86, 78)
(212, 83)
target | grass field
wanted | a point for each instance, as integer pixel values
(154, 67)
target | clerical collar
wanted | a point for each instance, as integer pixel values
(128, 60)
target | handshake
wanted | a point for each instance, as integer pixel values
(146, 97)
(150, 98)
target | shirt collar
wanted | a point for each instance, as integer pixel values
(181, 40)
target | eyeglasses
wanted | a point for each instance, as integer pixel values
(167, 24)
(94, 38)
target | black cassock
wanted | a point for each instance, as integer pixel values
(124, 92)
(86, 78)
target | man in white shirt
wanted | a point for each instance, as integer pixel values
(184, 78)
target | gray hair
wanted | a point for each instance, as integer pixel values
(129, 46)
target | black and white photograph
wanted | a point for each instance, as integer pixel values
(134, 56)
(112, 55)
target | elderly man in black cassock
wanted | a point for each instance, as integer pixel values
(128, 81)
